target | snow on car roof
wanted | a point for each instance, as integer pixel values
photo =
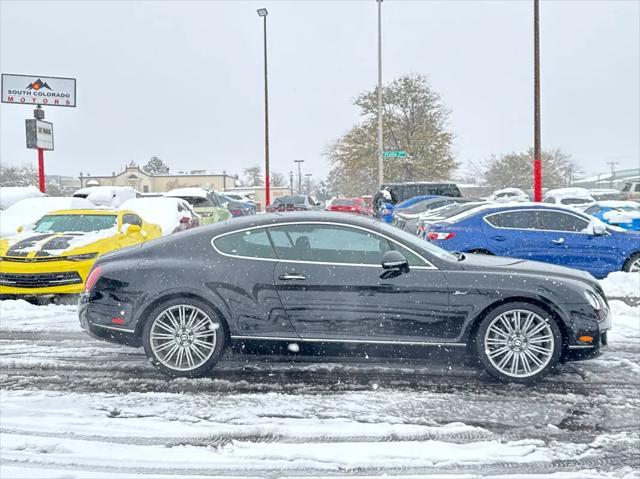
(163, 211)
(190, 191)
(569, 193)
(619, 204)
(12, 194)
(516, 191)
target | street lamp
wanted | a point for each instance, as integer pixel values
(291, 181)
(308, 175)
(299, 175)
(262, 12)
(380, 142)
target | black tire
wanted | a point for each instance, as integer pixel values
(527, 347)
(212, 332)
(633, 260)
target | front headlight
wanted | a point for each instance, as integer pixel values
(594, 299)
(81, 257)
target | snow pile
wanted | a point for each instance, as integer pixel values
(565, 193)
(191, 192)
(625, 325)
(621, 285)
(28, 211)
(163, 211)
(19, 315)
(12, 194)
(621, 216)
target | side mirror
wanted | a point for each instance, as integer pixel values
(598, 229)
(133, 229)
(394, 260)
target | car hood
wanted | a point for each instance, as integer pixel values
(486, 262)
(51, 244)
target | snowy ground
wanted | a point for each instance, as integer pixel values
(74, 407)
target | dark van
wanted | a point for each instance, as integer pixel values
(404, 191)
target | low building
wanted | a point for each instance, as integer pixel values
(143, 182)
(608, 180)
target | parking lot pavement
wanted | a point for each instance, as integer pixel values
(75, 407)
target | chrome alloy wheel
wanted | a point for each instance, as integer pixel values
(635, 266)
(519, 343)
(183, 337)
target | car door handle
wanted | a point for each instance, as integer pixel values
(558, 241)
(292, 277)
(498, 238)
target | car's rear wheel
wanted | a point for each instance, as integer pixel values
(519, 342)
(183, 337)
(633, 264)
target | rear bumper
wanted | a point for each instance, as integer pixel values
(96, 321)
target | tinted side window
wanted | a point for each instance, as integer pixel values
(559, 221)
(637, 187)
(131, 220)
(593, 210)
(513, 219)
(251, 244)
(333, 244)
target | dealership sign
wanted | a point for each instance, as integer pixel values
(38, 90)
(39, 134)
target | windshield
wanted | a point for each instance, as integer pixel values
(289, 200)
(344, 202)
(83, 223)
(575, 201)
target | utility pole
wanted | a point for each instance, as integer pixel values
(380, 142)
(537, 148)
(308, 175)
(291, 181)
(299, 175)
(613, 164)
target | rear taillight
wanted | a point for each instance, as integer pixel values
(92, 278)
(442, 235)
(235, 212)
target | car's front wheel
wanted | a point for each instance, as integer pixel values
(519, 342)
(183, 337)
(632, 265)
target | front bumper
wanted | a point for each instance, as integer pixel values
(46, 277)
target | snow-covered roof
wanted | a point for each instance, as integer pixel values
(569, 193)
(165, 212)
(619, 204)
(12, 194)
(26, 212)
(193, 192)
(513, 191)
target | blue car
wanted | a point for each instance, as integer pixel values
(540, 232)
(412, 201)
(625, 214)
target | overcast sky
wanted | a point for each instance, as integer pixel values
(183, 80)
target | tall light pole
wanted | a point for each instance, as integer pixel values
(299, 175)
(537, 148)
(291, 181)
(262, 12)
(613, 173)
(308, 175)
(380, 143)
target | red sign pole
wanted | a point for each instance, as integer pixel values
(537, 149)
(41, 169)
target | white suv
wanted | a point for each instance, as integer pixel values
(631, 190)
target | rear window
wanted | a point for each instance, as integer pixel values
(575, 201)
(406, 191)
(344, 202)
(198, 201)
(291, 200)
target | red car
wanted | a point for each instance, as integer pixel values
(350, 205)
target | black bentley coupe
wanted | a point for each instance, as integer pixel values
(324, 277)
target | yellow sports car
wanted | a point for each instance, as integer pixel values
(55, 256)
